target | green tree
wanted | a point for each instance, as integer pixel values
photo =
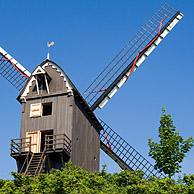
(171, 149)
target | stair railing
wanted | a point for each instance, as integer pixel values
(25, 162)
(41, 162)
(29, 164)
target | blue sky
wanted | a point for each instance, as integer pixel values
(87, 35)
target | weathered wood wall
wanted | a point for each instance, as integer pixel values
(86, 140)
(60, 120)
(68, 117)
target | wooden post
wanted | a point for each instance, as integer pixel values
(30, 144)
(45, 141)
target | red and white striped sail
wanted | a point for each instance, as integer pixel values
(12, 70)
(117, 72)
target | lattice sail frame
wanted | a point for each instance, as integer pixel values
(117, 72)
(124, 154)
(12, 70)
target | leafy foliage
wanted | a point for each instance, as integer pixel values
(74, 180)
(171, 150)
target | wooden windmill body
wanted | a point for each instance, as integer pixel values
(59, 125)
(56, 122)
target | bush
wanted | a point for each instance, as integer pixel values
(74, 180)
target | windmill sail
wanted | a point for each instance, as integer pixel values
(117, 72)
(123, 153)
(13, 71)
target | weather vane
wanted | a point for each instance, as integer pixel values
(49, 44)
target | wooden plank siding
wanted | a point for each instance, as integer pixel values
(70, 116)
(85, 140)
(60, 120)
(56, 84)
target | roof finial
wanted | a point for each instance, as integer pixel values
(49, 44)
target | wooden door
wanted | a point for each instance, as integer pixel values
(35, 140)
(49, 135)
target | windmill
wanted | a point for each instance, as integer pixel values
(59, 125)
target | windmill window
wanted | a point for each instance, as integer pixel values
(47, 109)
(35, 110)
(41, 82)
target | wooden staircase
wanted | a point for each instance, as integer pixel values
(36, 163)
